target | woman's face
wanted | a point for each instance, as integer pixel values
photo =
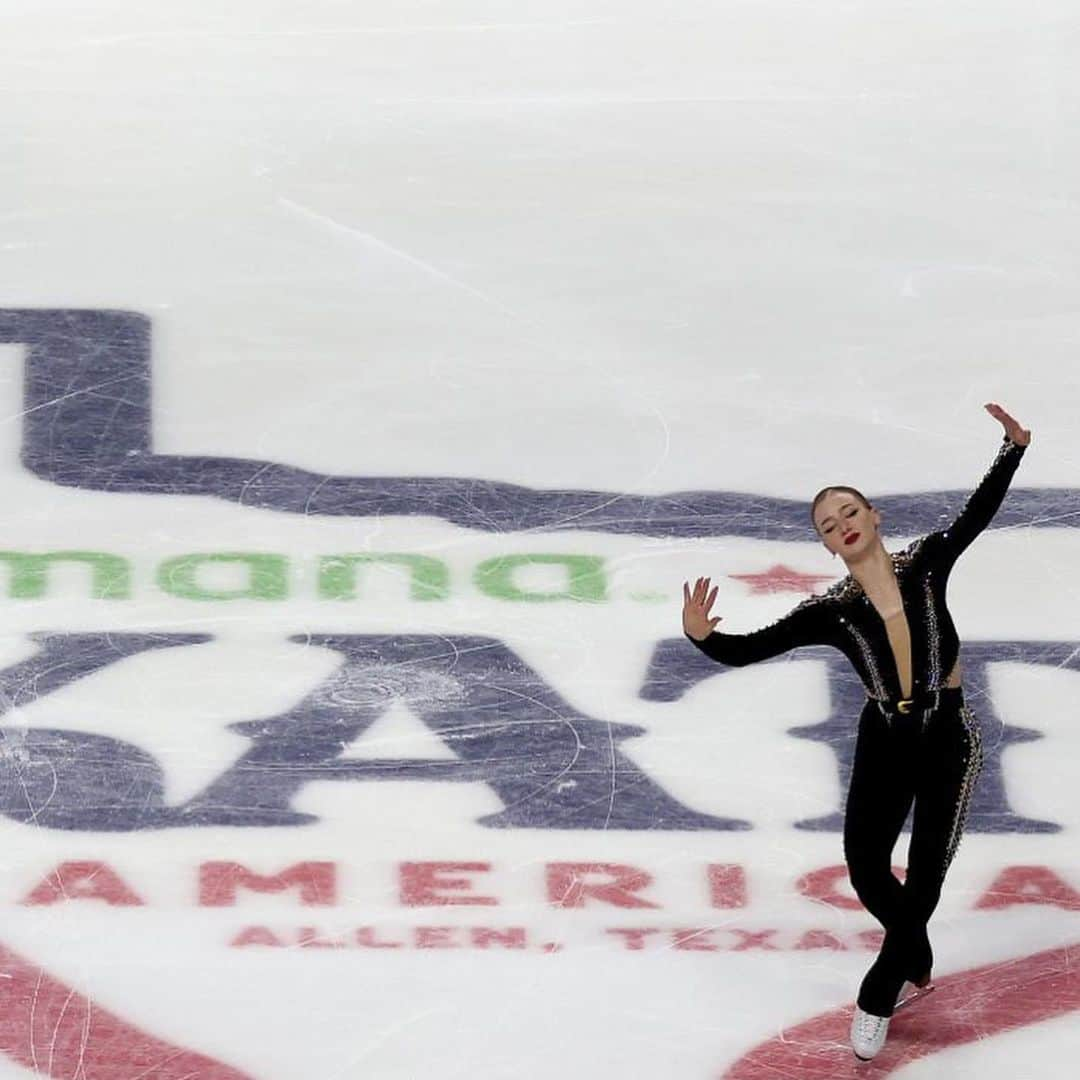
(845, 524)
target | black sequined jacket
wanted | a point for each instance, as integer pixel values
(844, 617)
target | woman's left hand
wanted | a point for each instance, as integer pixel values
(1020, 436)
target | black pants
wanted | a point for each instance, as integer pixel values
(932, 757)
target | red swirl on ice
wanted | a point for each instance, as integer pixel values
(965, 1007)
(56, 1031)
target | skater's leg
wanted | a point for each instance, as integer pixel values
(945, 764)
(878, 801)
(952, 759)
(881, 985)
(879, 798)
(949, 758)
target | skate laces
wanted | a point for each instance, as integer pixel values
(868, 1025)
(868, 1033)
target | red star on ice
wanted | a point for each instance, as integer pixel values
(781, 579)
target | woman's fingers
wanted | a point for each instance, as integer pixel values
(696, 608)
(702, 597)
(999, 413)
(1019, 435)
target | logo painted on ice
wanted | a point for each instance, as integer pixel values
(54, 1030)
(87, 423)
(478, 697)
(967, 1007)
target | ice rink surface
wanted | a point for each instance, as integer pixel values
(371, 378)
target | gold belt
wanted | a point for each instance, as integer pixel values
(930, 699)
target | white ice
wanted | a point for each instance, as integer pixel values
(603, 245)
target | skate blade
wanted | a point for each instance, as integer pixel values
(914, 995)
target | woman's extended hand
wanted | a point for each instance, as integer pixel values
(695, 612)
(1020, 436)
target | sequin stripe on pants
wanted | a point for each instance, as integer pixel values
(972, 767)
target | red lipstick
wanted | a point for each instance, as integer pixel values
(851, 539)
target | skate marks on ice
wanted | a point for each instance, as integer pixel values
(87, 422)
(55, 1031)
(964, 1008)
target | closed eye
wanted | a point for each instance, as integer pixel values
(831, 527)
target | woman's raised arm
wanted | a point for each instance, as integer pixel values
(986, 499)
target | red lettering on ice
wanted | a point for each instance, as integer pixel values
(569, 885)
(424, 884)
(219, 881)
(1029, 885)
(727, 885)
(84, 881)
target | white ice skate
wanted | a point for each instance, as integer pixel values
(868, 1033)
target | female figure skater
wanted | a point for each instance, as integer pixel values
(917, 740)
